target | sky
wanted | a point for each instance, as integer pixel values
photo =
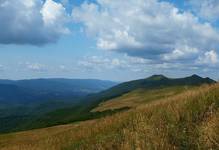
(108, 39)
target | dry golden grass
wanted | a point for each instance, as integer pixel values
(185, 121)
(139, 97)
(210, 131)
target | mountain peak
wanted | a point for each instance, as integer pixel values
(195, 76)
(157, 77)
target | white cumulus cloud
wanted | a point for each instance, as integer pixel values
(209, 57)
(150, 29)
(34, 22)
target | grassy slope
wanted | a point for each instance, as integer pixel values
(159, 85)
(83, 112)
(139, 97)
(189, 120)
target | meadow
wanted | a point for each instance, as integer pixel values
(187, 120)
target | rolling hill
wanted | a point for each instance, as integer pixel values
(118, 98)
(186, 120)
(155, 82)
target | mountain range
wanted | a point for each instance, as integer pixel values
(152, 113)
(38, 103)
(27, 91)
(22, 100)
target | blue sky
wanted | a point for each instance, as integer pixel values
(112, 40)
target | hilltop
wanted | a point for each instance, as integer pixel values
(154, 87)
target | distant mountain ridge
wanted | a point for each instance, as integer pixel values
(90, 102)
(152, 82)
(50, 113)
(25, 91)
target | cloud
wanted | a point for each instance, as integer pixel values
(149, 29)
(94, 63)
(2, 68)
(209, 57)
(64, 68)
(99, 63)
(36, 67)
(207, 9)
(182, 53)
(31, 21)
(134, 65)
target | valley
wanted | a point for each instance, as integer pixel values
(187, 120)
(162, 116)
